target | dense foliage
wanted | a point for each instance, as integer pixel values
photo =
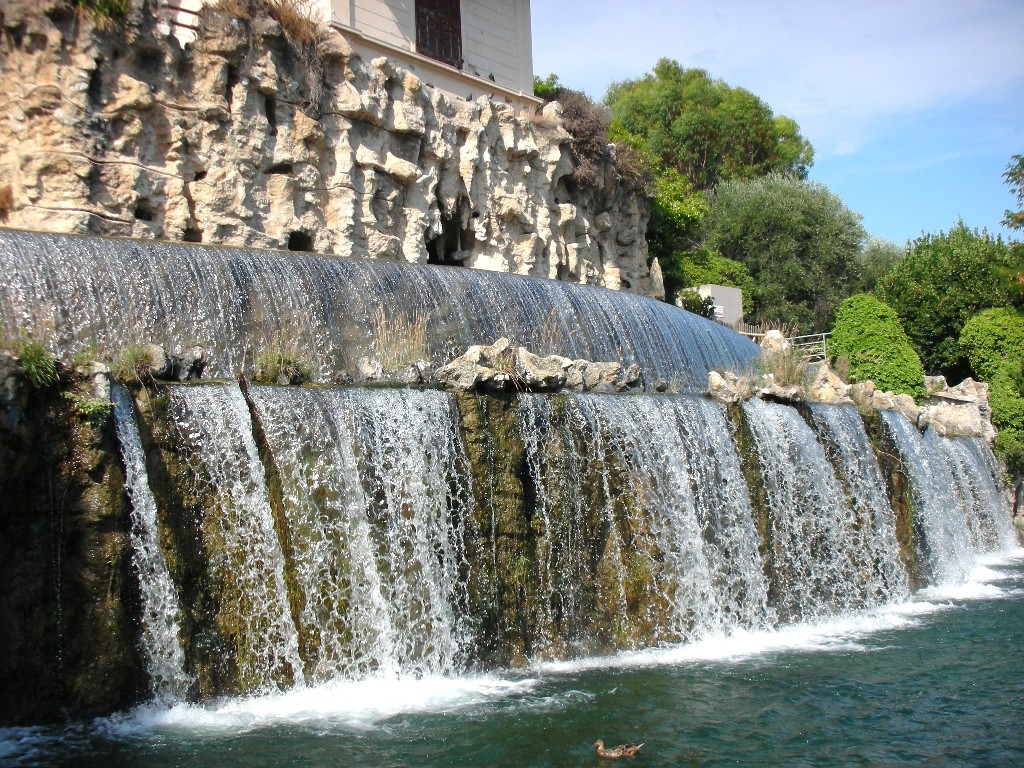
(991, 340)
(706, 129)
(693, 132)
(798, 241)
(940, 284)
(703, 267)
(875, 261)
(993, 343)
(868, 334)
(587, 122)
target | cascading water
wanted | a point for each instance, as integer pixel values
(681, 537)
(375, 487)
(941, 513)
(161, 613)
(971, 464)
(246, 562)
(841, 431)
(80, 292)
(816, 555)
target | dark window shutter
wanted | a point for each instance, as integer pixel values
(439, 30)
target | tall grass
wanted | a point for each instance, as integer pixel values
(401, 339)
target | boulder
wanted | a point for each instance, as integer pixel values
(727, 387)
(540, 373)
(960, 411)
(774, 341)
(768, 389)
(827, 387)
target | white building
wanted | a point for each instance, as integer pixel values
(466, 47)
(728, 302)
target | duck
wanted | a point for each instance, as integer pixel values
(623, 750)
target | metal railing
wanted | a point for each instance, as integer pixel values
(814, 346)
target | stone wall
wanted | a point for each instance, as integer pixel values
(234, 140)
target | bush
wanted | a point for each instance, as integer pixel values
(993, 342)
(282, 362)
(992, 339)
(869, 335)
(134, 365)
(942, 283)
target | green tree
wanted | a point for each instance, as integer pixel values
(704, 128)
(943, 281)
(875, 260)
(798, 241)
(868, 335)
(1014, 177)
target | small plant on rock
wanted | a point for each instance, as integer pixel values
(38, 364)
(282, 362)
(94, 410)
(134, 365)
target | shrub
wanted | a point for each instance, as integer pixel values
(869, 335)
(991, 339)
(993, 342)
(106, 14)
(942, 282)
(134, 365)
(400, 340)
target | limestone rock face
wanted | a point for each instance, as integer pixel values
(960, 411)
(774, 341)
(234, 141)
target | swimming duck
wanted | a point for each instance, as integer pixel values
(623, 750)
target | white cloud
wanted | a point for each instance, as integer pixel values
(842, 70)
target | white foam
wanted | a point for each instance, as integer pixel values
(339, 703)
(369, 703)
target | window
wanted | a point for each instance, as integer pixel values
(439, 30)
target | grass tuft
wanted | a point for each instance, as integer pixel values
(38, 364)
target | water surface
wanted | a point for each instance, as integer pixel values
(934, 680)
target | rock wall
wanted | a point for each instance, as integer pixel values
(235, 141)
(68, 598)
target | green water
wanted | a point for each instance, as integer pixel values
(936, 682)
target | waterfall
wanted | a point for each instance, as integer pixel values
(841, 431)
(682, 504)
(816, 555)
(375, 486)
(941, 514)
(76, 292)
(246, 562)
(161, 613)
(972, 465)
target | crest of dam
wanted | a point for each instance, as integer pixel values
(80, 292)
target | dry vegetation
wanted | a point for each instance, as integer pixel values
(302, 28)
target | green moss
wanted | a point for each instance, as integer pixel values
(898, 488)
(868, 334)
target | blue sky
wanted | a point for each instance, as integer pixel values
(914, 107)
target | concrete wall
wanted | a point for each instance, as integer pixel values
(728, 302)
